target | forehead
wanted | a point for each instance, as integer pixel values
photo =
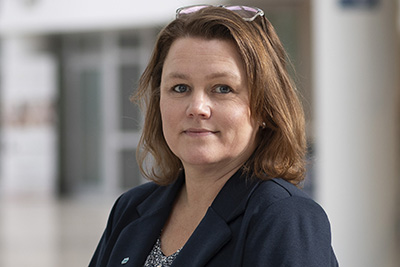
(192, 54)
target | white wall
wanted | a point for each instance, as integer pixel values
(28, 137)
(356, 67)
(38, 16)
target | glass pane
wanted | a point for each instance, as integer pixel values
(83, 44)
(129, 40)
(129, 169)
(130, 113)
(90, 43)
(90, 125)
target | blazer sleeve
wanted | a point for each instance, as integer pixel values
(291, 232)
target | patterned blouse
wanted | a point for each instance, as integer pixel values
(157, 258)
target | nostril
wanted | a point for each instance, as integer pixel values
(203, 111)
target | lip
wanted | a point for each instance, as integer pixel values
(198, 132)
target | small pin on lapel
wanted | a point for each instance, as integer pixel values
(125, 260)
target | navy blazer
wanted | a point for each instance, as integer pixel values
(250, 223)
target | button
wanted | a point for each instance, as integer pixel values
(125, 260)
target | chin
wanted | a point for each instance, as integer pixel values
(198, 161)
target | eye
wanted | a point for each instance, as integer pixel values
(180, 88)
(223, 89)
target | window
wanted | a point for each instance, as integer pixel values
(100, 126)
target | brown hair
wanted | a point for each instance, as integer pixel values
(280, 151)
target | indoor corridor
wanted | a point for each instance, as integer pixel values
(49, 233)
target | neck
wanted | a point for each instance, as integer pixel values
(201, 188)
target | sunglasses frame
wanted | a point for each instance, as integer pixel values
(259, 12)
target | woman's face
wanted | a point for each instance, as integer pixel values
(205, 105)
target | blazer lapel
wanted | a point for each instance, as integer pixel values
(211, 234)
(139, 236)
(214, 232)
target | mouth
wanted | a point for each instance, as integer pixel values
(199, 132)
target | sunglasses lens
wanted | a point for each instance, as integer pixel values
(189, 10)
(245, 12)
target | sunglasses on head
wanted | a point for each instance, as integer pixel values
(247, 13)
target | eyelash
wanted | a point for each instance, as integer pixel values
(174, 88)
(177, 90)
(224, 86)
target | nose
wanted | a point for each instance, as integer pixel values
(199, 106)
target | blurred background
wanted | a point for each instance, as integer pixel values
(68, 132)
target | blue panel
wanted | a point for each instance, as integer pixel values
(359, 3)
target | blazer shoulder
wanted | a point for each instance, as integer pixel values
(134, 196)
(293, 228)
(278, 195)
(277, 189)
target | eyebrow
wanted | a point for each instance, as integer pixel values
(178, 75)
(223, 74)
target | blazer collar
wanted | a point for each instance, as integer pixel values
(229, 203)
(232, 199)
(141, 231)
(213, 232)
(162, 198)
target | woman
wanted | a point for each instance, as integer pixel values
(225, 131)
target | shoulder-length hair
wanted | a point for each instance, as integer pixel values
(280, 151)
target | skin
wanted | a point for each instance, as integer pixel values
(207, 125)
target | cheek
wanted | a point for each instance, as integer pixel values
(239, 115)
(242, 122)
(169, 118)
